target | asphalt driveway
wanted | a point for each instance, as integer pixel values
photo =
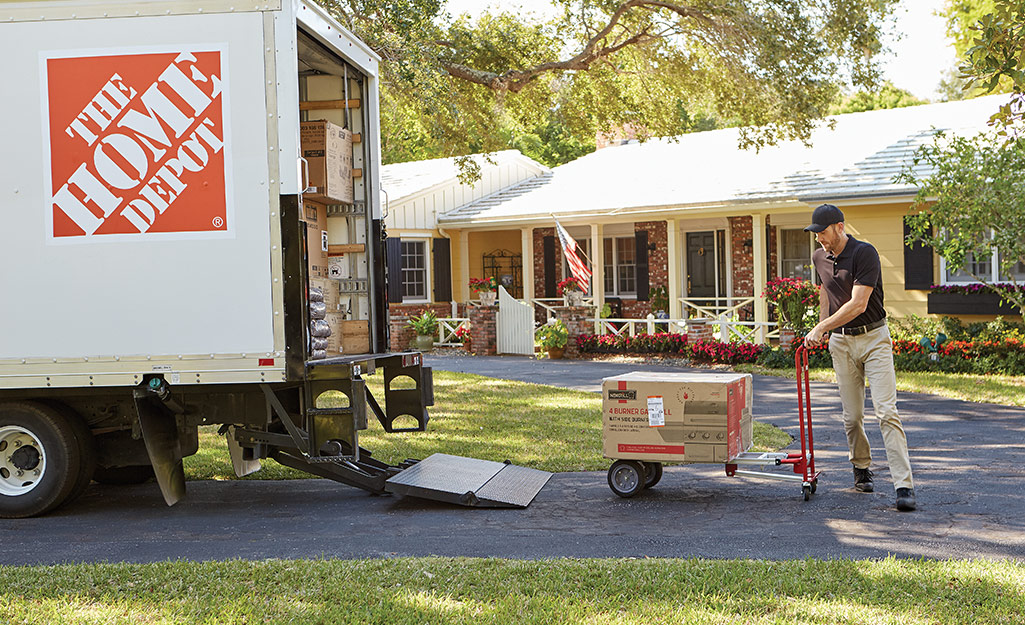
(969, 463)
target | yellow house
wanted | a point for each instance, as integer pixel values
(710, 222)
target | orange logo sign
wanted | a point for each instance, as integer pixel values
(137, 144)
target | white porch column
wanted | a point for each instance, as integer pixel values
(758, 273)
(673, 271)
(464, 266)
(597, 267)
(527, 245)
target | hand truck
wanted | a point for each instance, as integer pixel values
(803, 462)
(628, 477)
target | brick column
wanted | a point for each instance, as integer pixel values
(401, 335)
(698, 330)
(483, 330)
(578, 320)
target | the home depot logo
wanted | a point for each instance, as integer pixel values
(137, 145)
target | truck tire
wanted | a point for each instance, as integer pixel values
(40, 459)
(86, 450)
(124, 476)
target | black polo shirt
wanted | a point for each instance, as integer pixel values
(858, 263)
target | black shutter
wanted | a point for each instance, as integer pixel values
(442, 270)
(918, 264)
(394, 268)
(641, 254)
(549, 256)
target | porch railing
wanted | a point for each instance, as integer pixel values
(447, 328)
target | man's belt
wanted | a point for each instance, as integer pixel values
(862, 329)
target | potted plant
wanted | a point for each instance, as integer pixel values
(552, 337)
(659, 298)
(486, 289)
(426, 328)
(796, 303)
(572, 290)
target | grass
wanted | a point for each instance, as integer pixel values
(543, 427)
(442, 591)
(992, 389)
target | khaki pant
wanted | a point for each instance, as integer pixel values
(855, 359)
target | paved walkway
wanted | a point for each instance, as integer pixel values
(969, 462)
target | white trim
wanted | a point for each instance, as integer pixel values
(428, 269)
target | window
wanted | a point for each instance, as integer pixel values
(795, 247)
(414, 270)
(984, 265)
(620, 266)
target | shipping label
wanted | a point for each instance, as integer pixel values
(138, 145)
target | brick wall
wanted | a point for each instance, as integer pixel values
(401, 334)
(743, 262)
(483, 330)
(773, 251)
(539, 259)
(399, 314)
(578, 320)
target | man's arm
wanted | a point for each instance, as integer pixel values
(849, 311)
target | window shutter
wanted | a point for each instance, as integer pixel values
(641, 254)
(394, 269)
(442, 258)
(549, 257)
(918, 264)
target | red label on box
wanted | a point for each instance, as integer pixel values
(137, 145)
(651, 449)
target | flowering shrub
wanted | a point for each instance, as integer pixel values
(717, 352)
(570, 284)
(975, 288)
(462, 334)
(795, 301)
(479, 285)
(659, 343)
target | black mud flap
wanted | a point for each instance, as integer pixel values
(469, 482)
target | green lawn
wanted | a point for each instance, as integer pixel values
(472, 591)
(543, 427)
(993, 389)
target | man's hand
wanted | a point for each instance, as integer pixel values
(818, 336)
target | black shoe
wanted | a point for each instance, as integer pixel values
(906, 499)
(863, 480)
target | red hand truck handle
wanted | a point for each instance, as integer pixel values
(807, 465)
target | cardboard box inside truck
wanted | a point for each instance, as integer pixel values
(327, 149)
(314, 215)
(706, 417)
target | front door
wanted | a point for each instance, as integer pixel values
(701, 259)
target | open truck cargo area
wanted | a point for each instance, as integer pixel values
(190, 218)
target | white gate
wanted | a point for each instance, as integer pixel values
(514, 326)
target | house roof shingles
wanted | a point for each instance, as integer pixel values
(857, 157)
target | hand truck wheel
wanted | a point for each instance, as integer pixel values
(626, 477)
(807, 490)
(652, 473)
(814, 485)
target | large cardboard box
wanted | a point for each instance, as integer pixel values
(330, 289)
(327, 149)
(348, 336)
(706, 416)
(314, 215)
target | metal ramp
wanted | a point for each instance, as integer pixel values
(469, 482)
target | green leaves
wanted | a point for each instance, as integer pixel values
(459, 85)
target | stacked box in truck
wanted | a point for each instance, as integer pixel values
(151, 174)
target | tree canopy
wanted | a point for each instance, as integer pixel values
(457, 85)
(887, 96)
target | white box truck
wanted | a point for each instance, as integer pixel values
(156, 261)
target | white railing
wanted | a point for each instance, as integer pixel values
(714, 307)
(548, 304)
(447, 328)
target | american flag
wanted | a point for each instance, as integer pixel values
(577, 266)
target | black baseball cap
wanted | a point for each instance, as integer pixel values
(823, 217)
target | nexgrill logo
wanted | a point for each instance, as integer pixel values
(137, 144)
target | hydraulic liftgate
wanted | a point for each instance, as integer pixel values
(324, 441)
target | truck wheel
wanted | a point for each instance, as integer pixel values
(86, 450)
(626, 477)
(40, 459)
(652, 473)
(124, 476)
